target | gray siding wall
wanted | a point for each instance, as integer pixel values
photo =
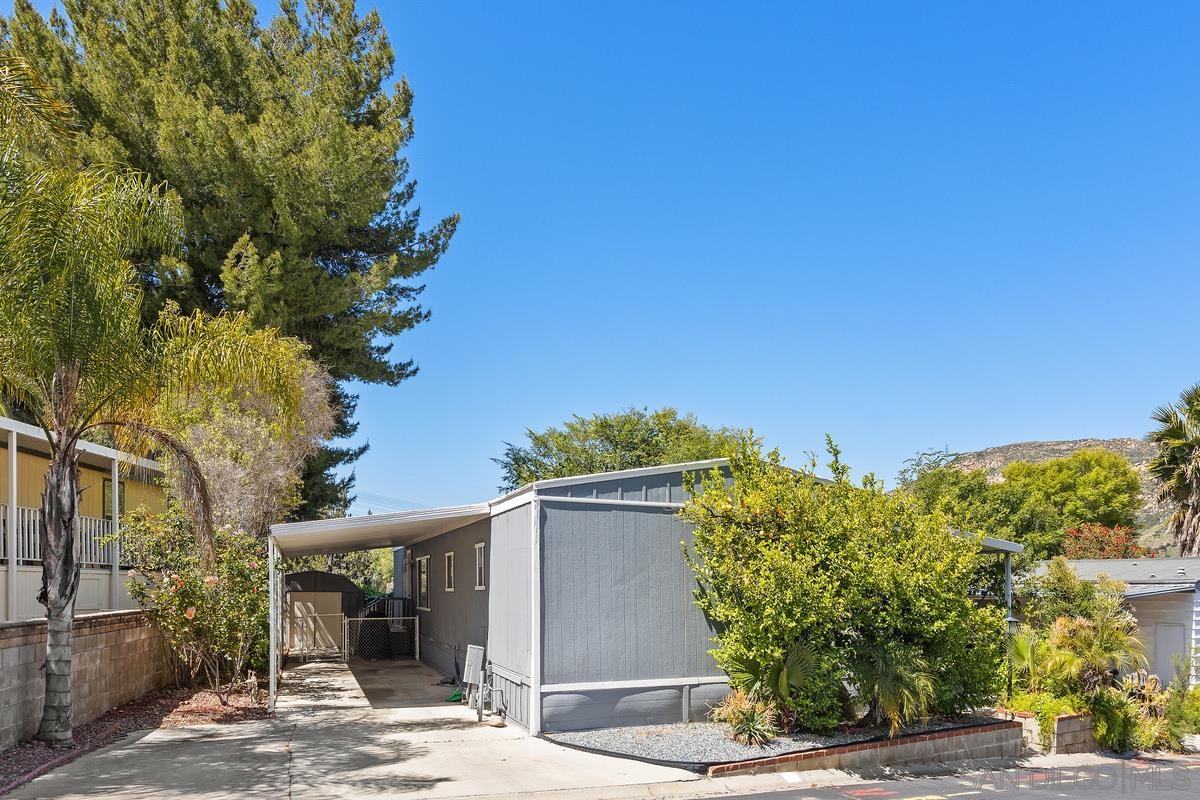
(459, 618)
(617, 596)
(510, 609)
(662, 488)
(510, 590)
(511, 697)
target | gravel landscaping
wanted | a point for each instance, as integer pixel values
(167, 708)
(698, 744)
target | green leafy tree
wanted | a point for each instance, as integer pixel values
(75, 353)
(1177, 466)
(876, 588)
(285, 147)
(1033, 504)
(606, 442)
(1092, 485)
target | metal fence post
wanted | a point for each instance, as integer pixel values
(417, 637)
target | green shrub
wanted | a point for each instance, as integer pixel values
(752, 720)
(1045, 707)
(852, 571)
(215, 620)
(1152, 733)
(1182, 715)
(1114, 719)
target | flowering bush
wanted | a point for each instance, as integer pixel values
(214, 619)
(1093, 540)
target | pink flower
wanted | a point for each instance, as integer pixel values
(132, 572)
(191, 612)
(210, 580)
(253, 565)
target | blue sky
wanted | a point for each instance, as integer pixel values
(949, 225)
(907, 225)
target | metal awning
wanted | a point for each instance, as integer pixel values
(347, 534)
(1136, 590)
(990, 544)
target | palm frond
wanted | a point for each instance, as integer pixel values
(29, 111)
(191, 486)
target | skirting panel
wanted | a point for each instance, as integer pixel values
(611, 708)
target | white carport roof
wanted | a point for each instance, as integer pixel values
(324, 536)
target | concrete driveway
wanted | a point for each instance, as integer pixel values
(374, 731)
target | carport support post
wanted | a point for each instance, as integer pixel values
(273, 616)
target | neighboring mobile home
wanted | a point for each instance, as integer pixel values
(1162, 594)
(578, 587)
(110, 482)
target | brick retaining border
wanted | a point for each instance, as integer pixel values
(993, 740)
(116, 656)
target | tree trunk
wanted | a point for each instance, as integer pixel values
(1187, 530)
(60, 582)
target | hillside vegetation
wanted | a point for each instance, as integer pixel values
(1152, 518)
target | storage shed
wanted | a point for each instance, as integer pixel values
(317, 603)
(578, 588)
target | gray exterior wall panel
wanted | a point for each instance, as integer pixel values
(458, 618)
(510, 590)
(617, 596)
(511, 697)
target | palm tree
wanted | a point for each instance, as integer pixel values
(1093, 650)
(894, 681)
(74, 352)
(1177, 466)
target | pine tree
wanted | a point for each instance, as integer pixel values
(286, 150)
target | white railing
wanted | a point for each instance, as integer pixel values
(91, 531)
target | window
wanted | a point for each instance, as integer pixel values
(423, 583)
(449, 572)
(106, 500)
(480, 572)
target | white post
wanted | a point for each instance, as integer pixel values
(114, 585)
(10, 527)
(273, 616)
(417, 635)
(1008, 584)
(535, 617)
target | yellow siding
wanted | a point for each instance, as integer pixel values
(145, 495)
(31, 474)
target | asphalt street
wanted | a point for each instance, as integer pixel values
(1166, 779)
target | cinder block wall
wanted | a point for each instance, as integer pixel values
(1073, 734)
(117, 656)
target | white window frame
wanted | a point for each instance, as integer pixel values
(448, 564)
(480, 566)
(423, 567)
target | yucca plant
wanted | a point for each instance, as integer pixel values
(75, 354)
(752, 720)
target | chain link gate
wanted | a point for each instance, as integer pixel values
(382, 639)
